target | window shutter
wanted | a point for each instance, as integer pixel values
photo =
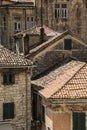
(82, 121)
(11, 110)
(11, 78)
(43, 113)
(79, 121)
(8, 110)
(67, 44)
(75, 121)
(8, 78)
(5, 109)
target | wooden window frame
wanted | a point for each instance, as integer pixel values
(30, 22)
(79, 120)
(8, 78)
(61, 12)
(8, 110)
(17, 24)
(67, 44)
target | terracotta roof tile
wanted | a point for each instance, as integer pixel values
(53, 81)
(10, 59)
(76, 88)
(57, 84)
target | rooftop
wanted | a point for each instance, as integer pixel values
(36, 31)
(11, 59)
(66, 82)
(76, 88)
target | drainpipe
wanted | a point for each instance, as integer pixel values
(28, 91)
(23, 44)
(42, 29)
(24, 15)
(26, 101)
(0, 21)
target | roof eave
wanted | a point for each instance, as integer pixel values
(68, 101)
(19, 67)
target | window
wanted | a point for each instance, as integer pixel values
(17, 24)
(61, 11)
(30, 22)
(8, 110)
(8, 78)
(34, 106)
(86, 3)
(4, 23)
(43, 113)
(67, 44)
(79, 121)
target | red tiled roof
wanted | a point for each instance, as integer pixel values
(10, 59)
(76, 88)
(55, 87)
(48, 31)
(36, 31)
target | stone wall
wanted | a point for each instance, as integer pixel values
(20, 94)
(55, 54)
(76, 20)
(9, 13)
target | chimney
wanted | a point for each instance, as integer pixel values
(41, 34)
(0, 21)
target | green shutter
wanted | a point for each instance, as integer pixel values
(43, 113)
(11, 108)
(5, 79)
(79, 121)
(8, 110)
(75, 121)
(5, 109)
(8, 78)
(67, 44)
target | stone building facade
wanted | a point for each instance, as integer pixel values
(62, 98)
(15, 17)
(64, 14)
(56, 14)
(56, 50)
(15, 90)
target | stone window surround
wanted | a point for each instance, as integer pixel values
(8, 110)
(8, 78)
(18, 23)
(30, 22)
(64, 45)
(62, 13)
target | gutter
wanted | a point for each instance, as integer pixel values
(19, 67)
(68, 101)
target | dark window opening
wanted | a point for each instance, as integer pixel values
(61, 11)
(8, 110)
(64, 5)
(79, 121)
(67, 44)
(8, 78)
(34, 106)
(43, 113)
(4, 23)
